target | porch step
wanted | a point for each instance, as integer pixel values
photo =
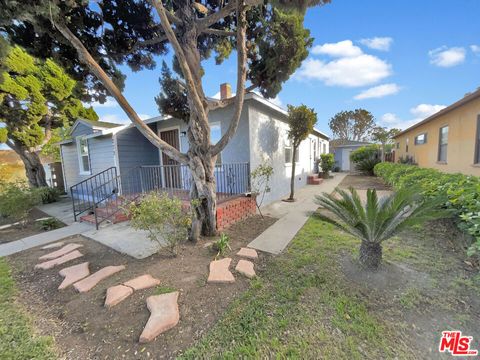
(118, 217)
(314, 180)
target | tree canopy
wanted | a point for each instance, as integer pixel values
(354, 125)
(36, 98)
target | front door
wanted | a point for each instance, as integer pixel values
(171, 168)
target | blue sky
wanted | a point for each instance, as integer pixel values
(401, 60)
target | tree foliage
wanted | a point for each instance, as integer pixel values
(36, 99)
(356, 125)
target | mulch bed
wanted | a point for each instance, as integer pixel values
(18, 232)
(84, 329)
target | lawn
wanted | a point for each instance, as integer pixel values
(17, 338)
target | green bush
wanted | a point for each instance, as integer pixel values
(164, 219)
(461, 191)
(16, 200)
(221, 245)
(48, 194)
(50, 224)
(365, 152)
(327, 162)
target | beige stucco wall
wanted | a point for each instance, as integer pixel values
(462, 123)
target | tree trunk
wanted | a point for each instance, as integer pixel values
(370, 255)
(292, 180)
(33, 166)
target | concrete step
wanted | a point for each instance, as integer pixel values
(314, 180)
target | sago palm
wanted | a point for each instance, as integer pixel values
(377, 220)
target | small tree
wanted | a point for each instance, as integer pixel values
(36, 99)
(378, 220)
(301, 120)
(384, 137)
(261, 183)
(327, 162)
(356, 125)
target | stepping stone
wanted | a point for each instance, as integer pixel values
(117, 293)
(142, 282)
(219, 272)
(72, 274)
(53, 246)
(164, 315)
(245, 267)
(64, 250)
(248, 253)
(89, 282)
(58, 261)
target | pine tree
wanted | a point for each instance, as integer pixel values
(37, 100)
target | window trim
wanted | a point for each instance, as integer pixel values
(82, 170)
(442, 161)
(289, 146)
(424, 141)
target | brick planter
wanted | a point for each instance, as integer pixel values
(231, 211)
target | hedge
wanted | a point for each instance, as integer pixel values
(461, 191)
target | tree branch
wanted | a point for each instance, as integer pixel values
(208, 21)
(182, 60)
(96, 69)
(220, 104)
(152, 41)
(219, 32)
(241, 77)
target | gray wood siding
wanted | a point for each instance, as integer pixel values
(101, 157)
(134, 149)
(81, 129)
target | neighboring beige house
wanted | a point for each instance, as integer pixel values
(448, 140)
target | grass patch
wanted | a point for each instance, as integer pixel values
(17, 339)
(159, 290)
(303, 307)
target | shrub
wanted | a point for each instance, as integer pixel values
(327, 162)
(365, 152)
(410, 160)
(16, 200)
(164, 218)
(261, 176)
(366, 166)
(50, 224)
(48, 194)
(462, 193)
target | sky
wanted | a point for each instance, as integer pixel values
(401, 60)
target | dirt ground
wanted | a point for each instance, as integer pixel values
(362, 182)
(20, 231)
(84, 329)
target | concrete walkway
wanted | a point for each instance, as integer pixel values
(292, 216)
(43, 238)
(62, 210)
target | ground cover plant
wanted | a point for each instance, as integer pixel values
(461, 193)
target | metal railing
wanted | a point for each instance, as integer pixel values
(107, 193)
(82, 194)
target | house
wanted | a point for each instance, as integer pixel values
(448, 140)
(341, 150)
(114, 152)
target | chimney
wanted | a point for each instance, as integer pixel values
(225, 91)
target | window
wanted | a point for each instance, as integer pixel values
(443, 144)
(215, 136)
(83, 156)
(477, 143)
(324, 148)
(398, 145)
(406, 145)
(421, 139)
(289, 152)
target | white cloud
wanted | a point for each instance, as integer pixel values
(423, 111)
(378, 91)
(419, 113)
(109, 103)
(343, 48)
(378, 43)
(362, 70)
(447, 57)
(475, 49)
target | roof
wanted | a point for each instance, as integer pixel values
(466, 99)
(98, 125)
(347, 143)
(320, 134)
